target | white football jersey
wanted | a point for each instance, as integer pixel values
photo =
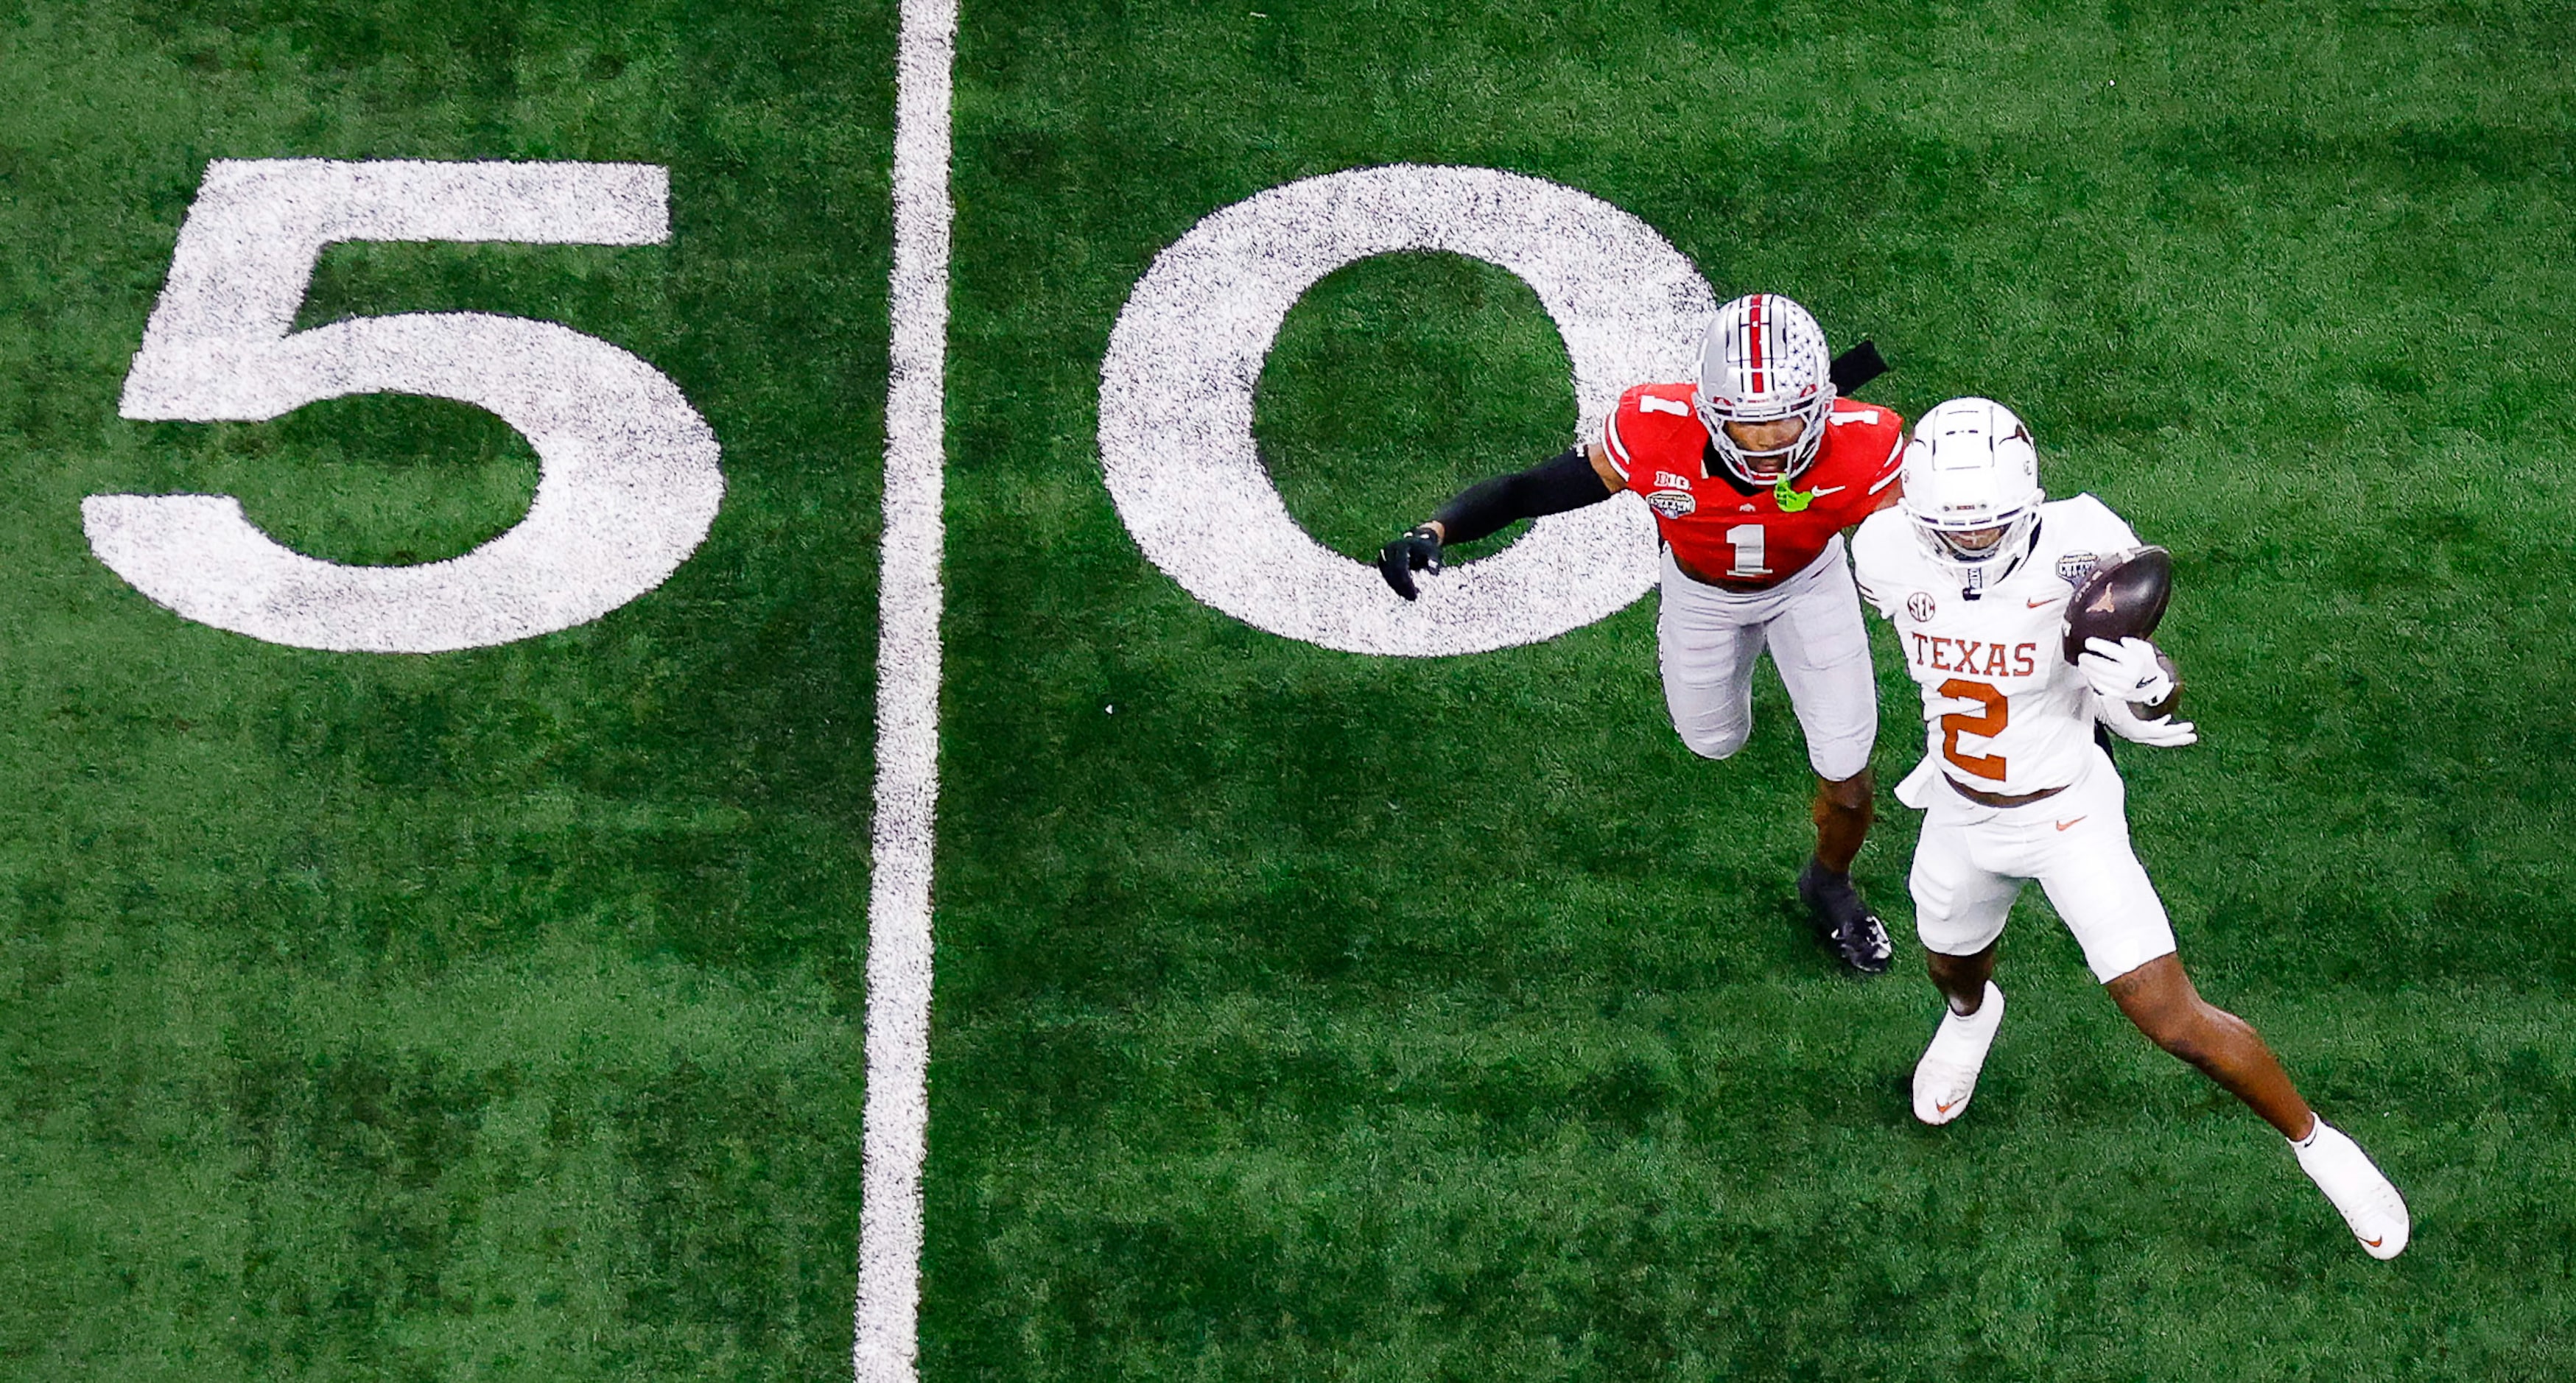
(2004, 711)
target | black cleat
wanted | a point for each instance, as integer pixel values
(1843, 922)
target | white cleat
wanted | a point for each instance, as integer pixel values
(1947, 1074)
(2355, 1184)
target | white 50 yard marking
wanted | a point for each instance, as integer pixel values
(627, 480)
(898, 1099)
(1176, 402)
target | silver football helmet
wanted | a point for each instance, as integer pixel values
(1765, 360)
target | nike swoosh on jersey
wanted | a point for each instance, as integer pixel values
(2050, 601)
(2064, 824)
(1823, 490)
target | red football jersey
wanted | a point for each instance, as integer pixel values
(1719, 532)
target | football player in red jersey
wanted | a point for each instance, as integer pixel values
(1753, 474)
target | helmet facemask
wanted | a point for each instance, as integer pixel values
(1768, 466)
(1985, 552)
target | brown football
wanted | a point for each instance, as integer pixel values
(2123, 597)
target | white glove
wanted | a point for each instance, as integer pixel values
(2164, 731)
(2124, 671)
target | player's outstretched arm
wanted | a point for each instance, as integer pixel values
(1572, 479)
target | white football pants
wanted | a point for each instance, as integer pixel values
(1971, 860)
(1810, 622)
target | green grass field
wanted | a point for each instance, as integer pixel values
(498, 1013)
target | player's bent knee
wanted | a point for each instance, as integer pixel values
(2174, 1019)
(1714, 744)
(1842, 764)
(2179, 1035)
(2197, 1043)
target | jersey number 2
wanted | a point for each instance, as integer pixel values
(1989, 725)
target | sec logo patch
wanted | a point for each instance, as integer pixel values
(1920, 606)
(1672, 504)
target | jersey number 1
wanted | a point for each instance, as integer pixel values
(1747, 540)
(1989, 725)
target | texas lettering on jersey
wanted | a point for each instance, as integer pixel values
(1748, 539)
(1944, 654)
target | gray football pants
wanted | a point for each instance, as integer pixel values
(1811, 623)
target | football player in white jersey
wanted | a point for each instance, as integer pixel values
(1974, 567)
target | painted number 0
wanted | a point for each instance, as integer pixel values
(1176, 391)
(1987, 726)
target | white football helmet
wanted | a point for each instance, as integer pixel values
(1971, 478)
(1764, 360)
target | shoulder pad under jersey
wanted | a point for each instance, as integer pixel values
(1654, 426)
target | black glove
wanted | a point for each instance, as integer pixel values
(1417, 550)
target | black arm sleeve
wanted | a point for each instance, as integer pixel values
(1564, 481)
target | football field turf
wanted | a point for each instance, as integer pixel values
(1298, 1013)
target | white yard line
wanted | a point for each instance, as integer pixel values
(907, 793)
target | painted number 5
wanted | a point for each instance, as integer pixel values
(628, 482)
